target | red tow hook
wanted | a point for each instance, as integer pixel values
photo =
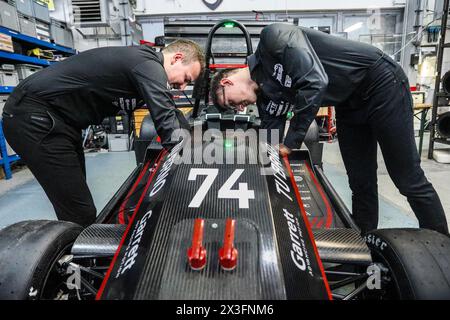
(228, 254)
(197, 253)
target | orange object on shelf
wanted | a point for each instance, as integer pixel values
(327, 113)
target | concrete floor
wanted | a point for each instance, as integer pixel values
(22, 198)
(394, 209)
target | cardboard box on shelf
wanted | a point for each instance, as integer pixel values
(6, 43)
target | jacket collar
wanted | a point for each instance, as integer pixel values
(160, 57)
(252, 61)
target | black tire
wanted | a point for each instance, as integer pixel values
(28, 251)
(418, 261)
(443, 125)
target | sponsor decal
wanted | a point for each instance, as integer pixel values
(162, 176)
(295, 241)
(375, 241)
(278, 72)
(299, 253)
(33, 293)
(126, 104)
(288, 81)
(373, 282)
(131, 252)
(278, 109)
(303, 189)
(281, 185)
(271, 107)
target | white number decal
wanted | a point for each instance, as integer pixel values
(211, 175)
(243, 194)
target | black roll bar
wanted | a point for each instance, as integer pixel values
(203, 86)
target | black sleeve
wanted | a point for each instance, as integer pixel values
(151, 82)
(308, 76)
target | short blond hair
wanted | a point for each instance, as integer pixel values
(192, 51)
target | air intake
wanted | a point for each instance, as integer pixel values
(90, 13)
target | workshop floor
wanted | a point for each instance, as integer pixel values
(393, 207)
(22, 198)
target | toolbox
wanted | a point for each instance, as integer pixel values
(43, 30)
(60, 33)
(8, 16)
(8, 76)
(40, 11)
(27, 25)
(118, 142)
(57, 31)
(25, 7)
(68, 38)
(26, 70)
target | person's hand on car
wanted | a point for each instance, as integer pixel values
(284, 151)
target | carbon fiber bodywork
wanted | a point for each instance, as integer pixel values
(318, 208)
(342, 246)
(277, 255)
(101, 240)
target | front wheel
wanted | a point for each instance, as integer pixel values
(29, 251)
(418, 262)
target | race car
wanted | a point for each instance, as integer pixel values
(222, 216)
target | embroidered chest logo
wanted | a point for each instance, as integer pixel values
(288, 81)
(278, 74)
(278, 109)
(126, 104)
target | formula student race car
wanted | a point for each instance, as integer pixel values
(247, 225)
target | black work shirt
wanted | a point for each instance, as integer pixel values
(86, 88)
(300, 69)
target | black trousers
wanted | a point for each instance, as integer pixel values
(381, 111)
(53, 152)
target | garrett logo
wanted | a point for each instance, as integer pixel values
(211, 4)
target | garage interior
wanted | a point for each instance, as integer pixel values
(407, 30)
(139, 247)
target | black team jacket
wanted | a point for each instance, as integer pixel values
(300, 69)
(87, 87)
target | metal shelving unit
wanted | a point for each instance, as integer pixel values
(25, 59)
(438, 91)
(31, 40)
(4, 89)
(6, 159)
